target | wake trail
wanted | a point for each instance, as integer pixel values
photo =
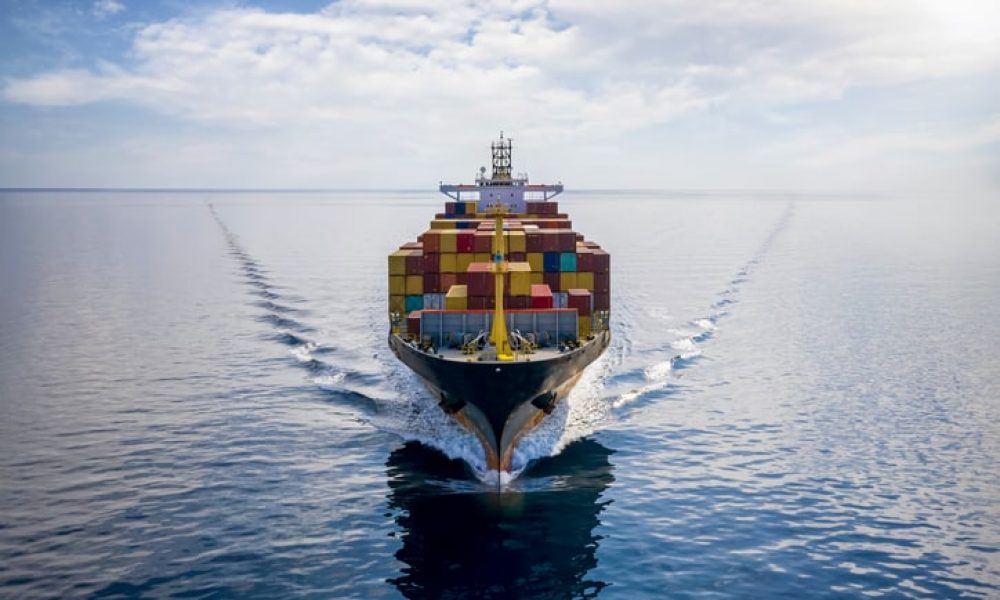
(285, 320)
(408, 411)
(688, 346)
(588, 408)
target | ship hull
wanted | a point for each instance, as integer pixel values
(500, 401)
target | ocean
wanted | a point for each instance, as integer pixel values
(801, 400)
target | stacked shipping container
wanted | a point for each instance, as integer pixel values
(549, 266)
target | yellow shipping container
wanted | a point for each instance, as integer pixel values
(397, 285)
(449, 241)
(470, 207)
(414, 284)
(585, 280)
(462, 262)
(457, 298)
(537, 278)
(517, 242)
(520, 283)
(481, 257)
(442, 224)
(567, 281)
(537, 261)
(397, 304)
(584, 324)
(397, 262)
(448, 263)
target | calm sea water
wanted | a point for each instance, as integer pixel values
(802, 400)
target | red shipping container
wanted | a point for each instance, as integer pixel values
(602, 301)
(481, 302)
(602, 261)
(415, 263)
(517, 302)
(541, 296)
(448, 280)
(534, 241)
(567, 240)
(481, 284)
(602, 282)
(482, 241)
(552, 280)
(449, 207)
(432, 283)
(580, 300)
(464, 241)
(550, 240)
(432, 241)
(413, 324)
(518, 257)
(480, 280)
(432, 262)
(584, 261)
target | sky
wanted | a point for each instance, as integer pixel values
(790, 95)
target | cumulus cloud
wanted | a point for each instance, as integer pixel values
(559, 66)
(566, 70)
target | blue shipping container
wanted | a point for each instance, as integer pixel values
(552, 262)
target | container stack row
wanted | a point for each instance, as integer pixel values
(549, 266)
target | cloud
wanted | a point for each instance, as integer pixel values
(838, 149)
(383, 74)
(105, 8)
(561, 66)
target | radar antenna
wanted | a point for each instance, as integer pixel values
(501, 161)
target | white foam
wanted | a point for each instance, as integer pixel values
(303, 352)
(686, 347)
(330, 380)
(657, 378)
(705, 324)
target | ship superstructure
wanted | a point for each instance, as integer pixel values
(500, 305)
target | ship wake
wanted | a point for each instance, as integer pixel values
(286, 314)
(688, 342)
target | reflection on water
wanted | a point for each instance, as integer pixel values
(461, 539)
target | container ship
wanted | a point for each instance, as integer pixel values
(500, 305)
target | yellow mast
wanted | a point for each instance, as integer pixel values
(498, 336)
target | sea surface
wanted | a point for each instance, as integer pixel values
(801, 400)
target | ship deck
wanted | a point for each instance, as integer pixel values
(457, 355)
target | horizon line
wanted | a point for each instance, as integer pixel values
(250, 190)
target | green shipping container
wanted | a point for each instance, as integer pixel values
(414, 303)
(567, 261)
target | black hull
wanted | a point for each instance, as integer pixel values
(498, 401)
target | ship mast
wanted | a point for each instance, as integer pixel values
(498, 334)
